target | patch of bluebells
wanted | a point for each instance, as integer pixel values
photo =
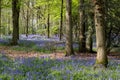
(44, 68)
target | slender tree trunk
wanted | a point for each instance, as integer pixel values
(61, 20)
(48, 25)
(0, 16)
(15, 16)
(37, 18)
(48, 22)
(82, 37)
(24, 20)
(27, 23)
(107, 31)
(33, 32)
(89, 40)
(7, 28)
(27, 20)
(101, 59)
(9, 22)
(69, 47)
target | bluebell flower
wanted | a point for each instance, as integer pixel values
(110, 79)
(12, 78)
(68, 71)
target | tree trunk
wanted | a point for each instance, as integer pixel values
(48, 21)
(33, 31)
(48, 25)
(69, 47)
(15, 16)
(27, 20)
(38, 19)
(107, 31)
(9, 22)
(101, 59)
(61, 20)
(23, 18)
(89, 40)
(0, 16)
(82, 37)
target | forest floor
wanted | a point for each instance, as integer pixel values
(42, 41)
(38, 58)
(55, 55)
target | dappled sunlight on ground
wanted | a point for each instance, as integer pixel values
(30, 65)
(55, 55)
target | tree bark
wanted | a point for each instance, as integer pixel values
(48, 21)
(89, 40)
(82, 37)
(15, 16)
(33, 31)
(107, 25)
(27, 20)
(48, 25)
(101, 59)
(0, 16)
(38, 18)
(61, 20)
(90, 31)
(69, 47)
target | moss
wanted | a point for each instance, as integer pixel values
(101, 64)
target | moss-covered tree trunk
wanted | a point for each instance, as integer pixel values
(69, 47)
(101, 59)
(15, 16)
(82, 38)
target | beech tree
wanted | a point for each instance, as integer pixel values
(48, 20)
(27, 18)
(82, 38)
(69, 47)
(15, 16)
(101, 59)
(90, 31)
(61, 21)
(0, 15)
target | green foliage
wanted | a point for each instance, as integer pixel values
(42, 31)
(55, 30)
(115, 49)
(6, 3)
(47, 48)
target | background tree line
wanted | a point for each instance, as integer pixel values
(77, 20)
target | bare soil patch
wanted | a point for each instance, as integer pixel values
(57, 55)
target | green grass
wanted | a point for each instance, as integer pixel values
(30, 46)
(116, 49)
